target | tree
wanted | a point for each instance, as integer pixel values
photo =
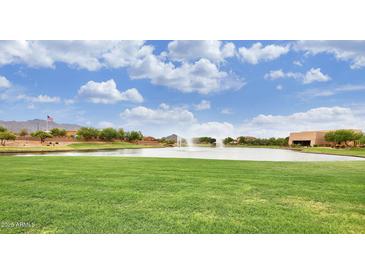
(121, 134)
(42, 135)
(6, 136)
(88, 133)
(228, 140)
(58, 132)
(108, 134)
(342, 136)
(132, 136)
(362, 140)
(23, 132)
(3, 129)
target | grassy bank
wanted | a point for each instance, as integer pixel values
(359, 152)
(147, 195)
(72, 147)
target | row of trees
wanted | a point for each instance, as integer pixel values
(345, 136)
(246, 140)
(204, 140)
(6, 135)
(54, 132)
(84, 133)
(108, 134)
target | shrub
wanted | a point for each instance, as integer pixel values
(6, 136)
(362, 140)
(3, 129)
(247, 140)
(42, 135)
(132, 136)
(108, 134)
(342, 136)
(228, 140)
(57, 132)
(23, 132)
(88, 133)
(121, 134)
(204, 140)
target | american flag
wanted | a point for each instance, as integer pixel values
(49, 118)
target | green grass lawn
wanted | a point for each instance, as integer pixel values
(73, 147)
(150, 195)
(360, 152)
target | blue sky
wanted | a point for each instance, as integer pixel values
(219, 88)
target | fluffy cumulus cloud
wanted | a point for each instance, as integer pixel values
(166, 120)
(350, 51)
(90, 55)
(107, 93)
(203, 105)
(202, 76)
(313, 119)
(4, 83)
(164, 114)
(258, 53)
(215, 129)
(215, 51)
(312, 75)
(199, 70)
(315, 75)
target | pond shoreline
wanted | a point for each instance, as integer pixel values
(12, 152)
(86, 150)
(229, 153)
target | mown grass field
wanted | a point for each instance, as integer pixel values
(149, 195)
(72, 147)
(359, 152)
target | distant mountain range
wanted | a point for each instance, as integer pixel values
(36, 124)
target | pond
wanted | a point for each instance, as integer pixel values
(253, 154)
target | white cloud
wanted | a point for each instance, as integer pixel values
(203, 105)
(185, 51)
(279, 87)
(69, 101)
(297, 63)
(166, 120)
(214, 129)
(312, 75)
(226, 111)
(314, 119)
(4, 83)
(315, 75)
(90, 55)
(275, 74)
(107, 93)
(194, 74)
(106, 124)
(351, 51)
(331, 91)
(258, 53)
(38, 99)
(162, 115)
(203, 76)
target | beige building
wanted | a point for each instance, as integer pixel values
(311, 138)
(308, 138)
